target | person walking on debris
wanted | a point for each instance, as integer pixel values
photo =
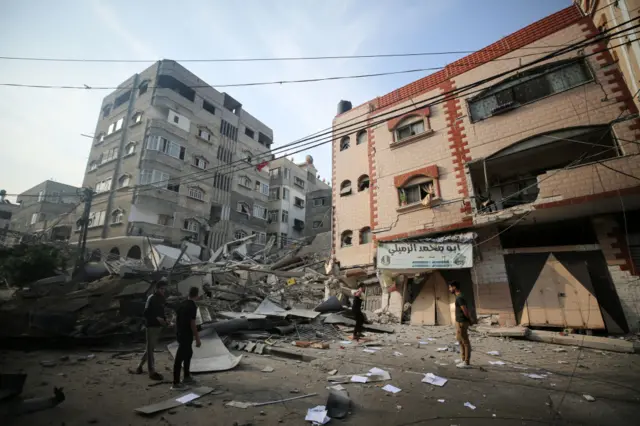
(463, 320)
(154, 320)
(186, 331)
(357, 312)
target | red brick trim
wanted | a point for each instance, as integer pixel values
(466, 223)
(586, 198)
(422, 112)
(508, 44)
(429, 171)
(373, 178)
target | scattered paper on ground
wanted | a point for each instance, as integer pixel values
(432, 379)
(424, 343)
(396, 353)
(519, 367)
(431, 339)
(442, 349)
(369, 351)
(332, 372)
(494, 353)
(470, 405)
(359, 379)
(441, 401)
(336, 387)
(588, 398)
(497, 362)
(318, 415)
(391, 388)
(239, 404)
(345, 342)
(535, 376)
(378, 374)
(267, 369)
(188, 397)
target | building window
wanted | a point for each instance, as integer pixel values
(34, 218)
(109, 155)
(345, 239)
(111, 128)
(119, 124)
(318, 202)
(249, 132)
(142, 88)
(285, 216)
(239, 234)
(96, 219)
(207, 106)
(172, 83)
(361, 138)
(263, 188)
(243, 208)
(200, 163)
(345, 188)
(298, 224)
(261, 237)
(365, 235)
(260, 212)
(283, 240)
(245, 182)
(274, 173)
(124, 181)
(229, 130)
(285, 194)
(122, 99)
(154, 177)
(106, 111)
(99, 138)
(286, 173)
(136, 118)
(363, 183)
(273, 216)
(130, 148)
(274, 194)
(224, 154)
(196, 193)
(222, 181)
(298, 182)
(93, 165)
(190, 225)
(103, 186)
(165, 220)
(298, 202)
(317, 224)
(204, 134)
(116, 216)
(529, 86)
(172, 149)
(344, 143)
(419, 189)
(264, 140)
(405, 131)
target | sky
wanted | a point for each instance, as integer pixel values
(41, 129)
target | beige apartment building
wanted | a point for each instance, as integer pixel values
(526, 189)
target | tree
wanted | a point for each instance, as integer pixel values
(26, 263)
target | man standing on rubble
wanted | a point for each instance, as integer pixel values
(186, 331)
(357, 312)
(463, 321)
(154, 319)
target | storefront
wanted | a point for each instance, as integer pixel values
(414, 276)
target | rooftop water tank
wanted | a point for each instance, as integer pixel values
(343, 106)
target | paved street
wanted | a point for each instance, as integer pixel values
(101, 391)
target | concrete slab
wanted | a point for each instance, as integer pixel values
(593, 342)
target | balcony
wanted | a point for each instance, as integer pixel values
(570, 166)
(168, 98)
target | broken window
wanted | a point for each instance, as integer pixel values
(100, 138)
(418, 189)
(175, 187)
(298, 202)
(249, 132)
(239, 234)
(171, 83)
(264, 140)
(363, 183)
(408, 130)
(142, 88)
(298, 224)
(361, 138)
(273, 216)
(285, 194)
(365, 235)
(529, 86)
(136, 118)
(345, 188)
(130, 148)
(285, 216)
(120, 100)
(243, 208)
(260, 212)
(124, 181)
(346, 239)
(318, 201)
(298, 182)
(165, 220)
(317, 224)
(190, 225)
(106, 111)
(510, 177)
(116, 216)
(344, 143)
(209, 107)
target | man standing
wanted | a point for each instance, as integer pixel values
(357, 312)
(186, 331)
(463, 320)
(155, 320)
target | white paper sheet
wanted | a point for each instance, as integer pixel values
(494, 353)
(317, 415)
(336, 387)
(535, 376)
(369, 351)
(377, 371)
(396, 353)
(441, 401)
(432, 379)
(188, 397)
(423, 343)
(345, 342)
(497, 362)
(431, 339)
(470, 405)
(382, 374)
(391, 388)
(442, 349)
(359, 379)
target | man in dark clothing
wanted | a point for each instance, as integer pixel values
(463, 320)
(186, 331)
(154, 320)
(356, 308)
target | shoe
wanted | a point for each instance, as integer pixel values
(463, 365)
(189, 381)
(179, 387)
(155, 376)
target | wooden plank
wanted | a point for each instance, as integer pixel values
(594, 342)
(443, 303)
(423, 309)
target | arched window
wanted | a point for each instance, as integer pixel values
(196, 193)
(346, 239)
(410, 126)
(134, 253)
(365, 235)
(361, 138)
(363, 183)
(117, 215)
(130, 148)
(115, 251)
(345, 143)
(239, 234)
(99, 138)
(345, 188)
(418, 189)
(124, 180)
(136, 118)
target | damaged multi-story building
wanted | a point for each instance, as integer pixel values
(173, 159)
(524, 188)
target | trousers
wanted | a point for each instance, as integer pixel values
(183, 358)
(153, 335)
(359, 322)
(462, 336)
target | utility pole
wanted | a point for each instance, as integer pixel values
(87, 196)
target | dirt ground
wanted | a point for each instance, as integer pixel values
(100, 391)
